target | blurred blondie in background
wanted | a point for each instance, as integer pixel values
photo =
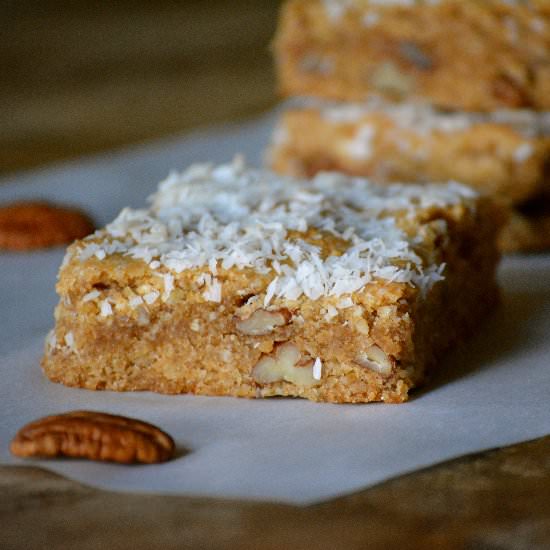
(80, 77)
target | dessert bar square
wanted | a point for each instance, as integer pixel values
(504, 152)
(458, 54)
(243, 283)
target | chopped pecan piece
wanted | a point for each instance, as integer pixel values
(263, 321)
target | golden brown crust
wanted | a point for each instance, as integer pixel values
(458, 54)
(95, 436)
(34, 225)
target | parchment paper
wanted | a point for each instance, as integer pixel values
(493, 391)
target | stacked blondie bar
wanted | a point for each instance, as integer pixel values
(422, 90)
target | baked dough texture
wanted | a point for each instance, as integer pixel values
(240, 282)
(505, 152)
(473, 55)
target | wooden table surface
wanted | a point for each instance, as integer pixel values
(80, 77)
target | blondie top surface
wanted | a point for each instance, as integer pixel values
(424, 118)
(504, 152)
(326, 237)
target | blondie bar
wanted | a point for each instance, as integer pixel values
(239, 282)
(475, 55)
(505, 152)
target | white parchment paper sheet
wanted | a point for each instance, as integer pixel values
(494, 391)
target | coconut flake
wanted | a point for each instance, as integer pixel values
(344, 303)
(360, 146)
(168, 286)
(523, 152)
(105, 308)
(270, 291)
(92, 295)
(151, 297)
(135, 301)
(370, 19)
(213, 292)
(317, 369)
(331, 312)
(51, 339)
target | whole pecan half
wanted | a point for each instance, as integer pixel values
(31, 225)
(95, 436)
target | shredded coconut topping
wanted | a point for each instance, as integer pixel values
(336, 9)
(229, 216)
(425, 119)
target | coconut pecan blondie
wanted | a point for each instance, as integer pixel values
(475, 55)
(504, 152)
(243, 283)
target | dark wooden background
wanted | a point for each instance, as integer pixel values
(80, 77)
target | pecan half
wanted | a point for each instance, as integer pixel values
(375, 359)
(285, 365)
(95, 436)
(32, 225)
